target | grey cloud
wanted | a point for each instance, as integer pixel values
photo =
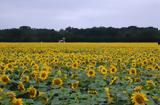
(79, 13)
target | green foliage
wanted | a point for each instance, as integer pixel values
(95, 34)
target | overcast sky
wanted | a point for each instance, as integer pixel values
(59, 14)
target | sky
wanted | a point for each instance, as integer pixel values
(59, 14)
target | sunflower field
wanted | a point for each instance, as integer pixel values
(79, 74)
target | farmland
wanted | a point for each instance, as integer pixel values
(79, 74)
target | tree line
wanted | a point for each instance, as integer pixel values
(94, 34)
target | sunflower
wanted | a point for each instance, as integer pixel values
(92, 91)
(68, 64)
(4, 79)
(139, 98)
(34, 73)
(113, 80)
(91, 73)
(137, 79)
(17, 101)
(32, 92)
(75, 65)
(57, 81)
(133, 61)
(1, 90)
(156, 67)
(35, 67)
(103, 71)
(11, 94)
(43, 75)
(21, 87)
(113, 69)
(119, 60)
(74, 85)
(100, 67)
(133, 64)
(138, 88)
(127, 78)
(150, 67)
(2, 67)
(55, 60)
(93, 62)
(74, 76)
(145, 62)
(9, 66)
(25, 78)
(133, 71)
(150, 83)
(45, 68)
(152, 59)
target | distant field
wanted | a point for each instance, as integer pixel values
(44, 44)
(79, 73)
